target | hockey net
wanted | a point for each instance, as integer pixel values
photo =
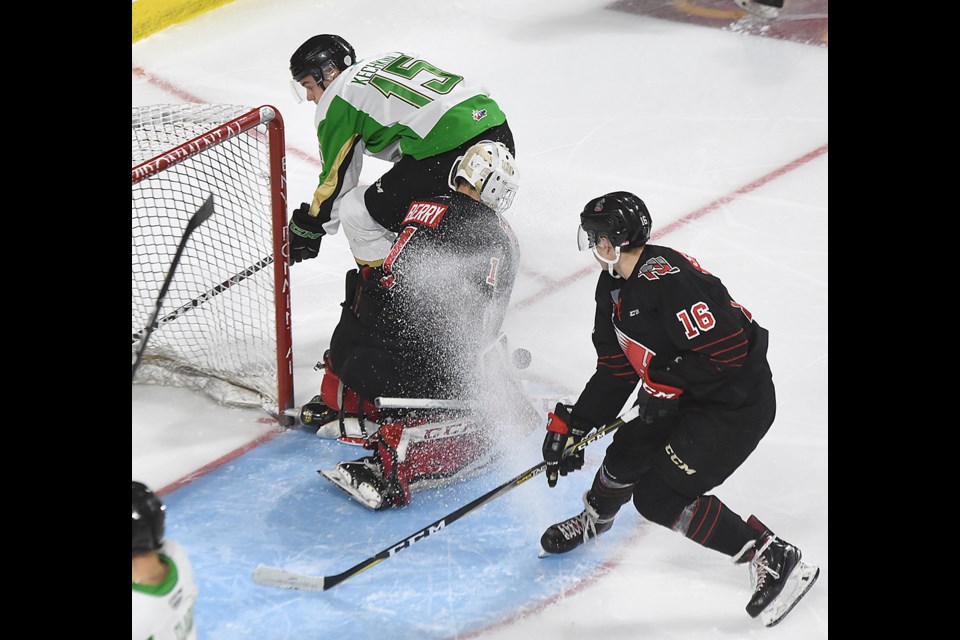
(224, 325)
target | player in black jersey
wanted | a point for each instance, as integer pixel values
(706, 398)
(419, 326)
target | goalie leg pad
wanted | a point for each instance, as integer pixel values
(417, 453)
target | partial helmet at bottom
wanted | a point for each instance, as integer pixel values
(148, 519)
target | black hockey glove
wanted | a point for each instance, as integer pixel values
(654, 408)
(306, 232)
(563, 430)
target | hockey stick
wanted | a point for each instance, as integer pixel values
(196, 302)
(198, 218)
(276, 577)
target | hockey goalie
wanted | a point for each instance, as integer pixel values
(424, 329)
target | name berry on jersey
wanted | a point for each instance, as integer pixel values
(426, 213)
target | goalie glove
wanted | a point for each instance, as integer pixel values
(563, 430)
(306, 232)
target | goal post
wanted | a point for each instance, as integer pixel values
(225, 327)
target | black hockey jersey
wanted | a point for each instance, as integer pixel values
(441, 295)
(673, 328)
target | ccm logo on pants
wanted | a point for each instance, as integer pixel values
(677, 461)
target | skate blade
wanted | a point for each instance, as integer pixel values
(334, 477)
(798, 584)
(543, 553)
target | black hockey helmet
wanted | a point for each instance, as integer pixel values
(318, 52)
(620, 216)
(148, 519)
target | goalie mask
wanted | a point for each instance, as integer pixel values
(489, 168)
(621, 217)
(148, 519)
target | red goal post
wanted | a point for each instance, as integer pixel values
(225, 328)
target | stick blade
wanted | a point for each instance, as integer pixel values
(276, 577)
(204, 212)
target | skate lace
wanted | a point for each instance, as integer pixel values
(583, 524)
(760, 568)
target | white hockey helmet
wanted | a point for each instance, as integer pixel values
(489, 168)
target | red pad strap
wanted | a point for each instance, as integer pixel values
(329, 395)
(430, 450)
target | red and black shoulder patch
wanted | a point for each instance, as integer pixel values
(428, 214)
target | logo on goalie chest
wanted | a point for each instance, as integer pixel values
(426, 213)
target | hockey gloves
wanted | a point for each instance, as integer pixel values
(664, 401)
(563, 430)
(306, 232)
(654, 409)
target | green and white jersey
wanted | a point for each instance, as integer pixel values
(390, 106)
(165, 611)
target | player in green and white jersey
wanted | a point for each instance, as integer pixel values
(394, 106)
(164, 588)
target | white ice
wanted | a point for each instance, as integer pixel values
(722, 130)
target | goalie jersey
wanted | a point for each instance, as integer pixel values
(437, 302)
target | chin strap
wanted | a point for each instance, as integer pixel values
(609, 263)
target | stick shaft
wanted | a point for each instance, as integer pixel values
(196, 302)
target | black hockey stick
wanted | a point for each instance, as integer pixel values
(276, 577)
(196, 302)
(198, 218)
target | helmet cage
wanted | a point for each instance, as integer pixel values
(498, 190)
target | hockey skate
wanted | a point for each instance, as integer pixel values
(778, 577)
(571, 533)
(350, 430)
(767, 9)
(316, 412)
(333, 426)
(363, 481)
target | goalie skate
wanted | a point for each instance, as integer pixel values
(361, 480)
(316, 412)
(351, 433)
(798, 584)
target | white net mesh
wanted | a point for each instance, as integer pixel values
(216, 330)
